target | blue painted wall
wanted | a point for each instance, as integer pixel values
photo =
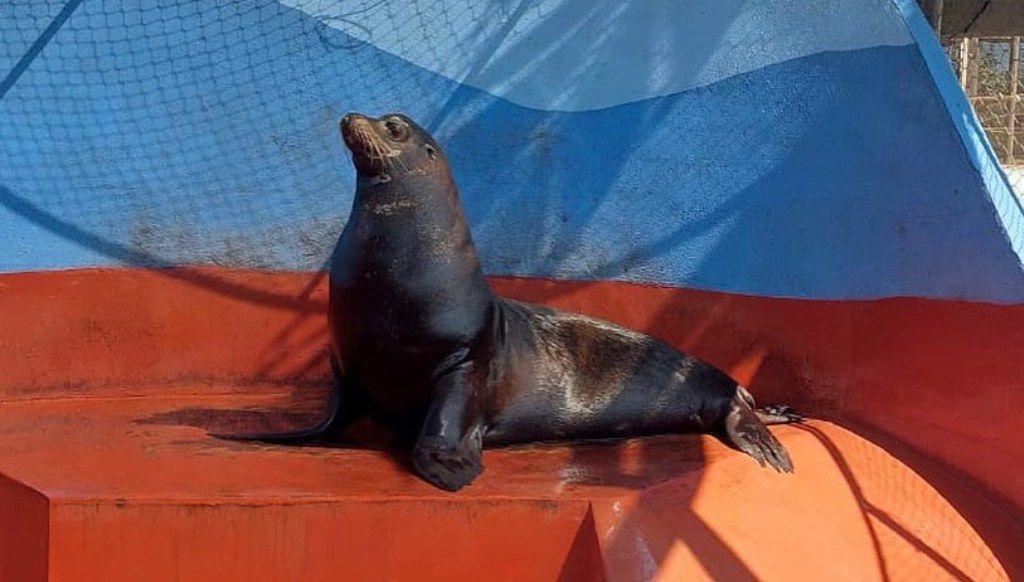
(821, 151)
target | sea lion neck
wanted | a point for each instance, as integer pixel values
(432, 194)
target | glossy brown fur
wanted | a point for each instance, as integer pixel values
(424, 348)
(577, 377)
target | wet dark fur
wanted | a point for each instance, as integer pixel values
(424, 347)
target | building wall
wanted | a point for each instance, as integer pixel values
(1015, 175)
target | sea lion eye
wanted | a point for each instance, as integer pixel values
(398, 130)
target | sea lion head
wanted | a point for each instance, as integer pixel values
(389, 146)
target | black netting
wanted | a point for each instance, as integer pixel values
(164, 132)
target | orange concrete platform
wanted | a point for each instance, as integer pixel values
(134, 488)
(112, 380)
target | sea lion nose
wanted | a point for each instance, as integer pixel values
(347, 127)
(351, 118)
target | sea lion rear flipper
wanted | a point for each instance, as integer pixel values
(448, 453)
(778, 414)
(745, 430)
(771, 414)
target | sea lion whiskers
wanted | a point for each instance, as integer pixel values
(374, 152)
(373, 141)
(373, 149)
(378, 153)
(397, 158)
(385, 154)
(389, 156)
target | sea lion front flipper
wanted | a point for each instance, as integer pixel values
(448, 453)
(746, 432)
(343, 409)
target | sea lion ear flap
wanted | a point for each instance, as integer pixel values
(431, 151)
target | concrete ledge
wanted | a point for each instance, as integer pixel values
(134, 488)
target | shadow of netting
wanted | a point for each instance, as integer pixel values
(912, 524)
(189, 132)
(196, 133)
(633, 535)
(193, 132)
(640, 464)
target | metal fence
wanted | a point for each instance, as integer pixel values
(989, 70)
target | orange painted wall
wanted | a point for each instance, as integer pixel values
(380, 539)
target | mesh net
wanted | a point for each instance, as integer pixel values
(161, 132)
(153, 133)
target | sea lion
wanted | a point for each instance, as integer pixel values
(422, 345)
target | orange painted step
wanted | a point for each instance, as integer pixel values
(135, 489)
